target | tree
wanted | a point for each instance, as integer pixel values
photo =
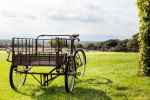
(91, 46)
(56, 42)
(122, 46)
(132, 44)
(144, 36)
(79, 45)
(112, 42)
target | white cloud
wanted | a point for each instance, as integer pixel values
(61, 16)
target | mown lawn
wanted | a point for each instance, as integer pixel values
(109, 76)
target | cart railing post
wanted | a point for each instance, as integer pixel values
(13, 45)
(13, 51)
(72, 45)
(36, 43)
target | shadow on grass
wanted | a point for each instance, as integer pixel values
(58, 93)
(96, 81)
(121, 92)
(121, 95)
(122, 88)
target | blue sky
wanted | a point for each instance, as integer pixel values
(92, 19)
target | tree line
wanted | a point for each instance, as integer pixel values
(115, 45)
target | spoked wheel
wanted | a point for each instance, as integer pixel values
(17, 76)
(70, 76)
(80, 62)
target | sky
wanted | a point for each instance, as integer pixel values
(94, 20)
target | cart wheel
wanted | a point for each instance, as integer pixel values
(17, 79)
(70, 76)
(80, 62)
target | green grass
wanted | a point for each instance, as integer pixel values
(109, 76)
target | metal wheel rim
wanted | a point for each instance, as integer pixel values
(18, 78)
(80, 64)
(71, 77)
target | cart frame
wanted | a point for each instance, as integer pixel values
(46, 50)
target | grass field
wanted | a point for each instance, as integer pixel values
(109, 76)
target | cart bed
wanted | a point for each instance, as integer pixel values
(48, 51)
(39, 60)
